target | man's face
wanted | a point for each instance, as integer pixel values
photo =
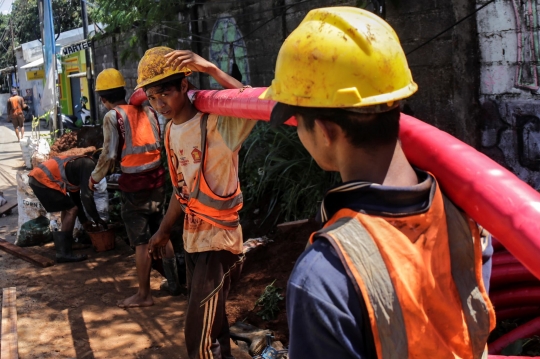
(168, 101)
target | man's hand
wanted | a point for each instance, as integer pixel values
(185, 58)
(156, 246)
(103, 224)
(91, 185)
(87, 226)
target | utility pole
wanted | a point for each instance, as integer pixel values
(89, 76)
(13, 49)
(54, 118)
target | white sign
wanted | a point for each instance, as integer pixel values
(73, 48)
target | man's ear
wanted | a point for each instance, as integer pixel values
(185, 85)
(328, 131)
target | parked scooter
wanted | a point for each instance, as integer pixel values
(83, 113)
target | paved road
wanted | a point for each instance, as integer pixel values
(11, 161)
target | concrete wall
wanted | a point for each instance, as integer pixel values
(108, 54)
(445, 69)
(510, 118)
(250, 33)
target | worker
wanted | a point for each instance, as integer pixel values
(131, 135)
(396, 271)
(15, 107)
(60, 185)
(202, 152)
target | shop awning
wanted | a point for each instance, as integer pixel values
(78, 74)
(36, 63)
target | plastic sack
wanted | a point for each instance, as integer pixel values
(29, 206)
(34, 232)
(41, 152)
(27, 152)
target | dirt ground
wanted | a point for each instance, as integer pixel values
(261, 268)
(69, 311)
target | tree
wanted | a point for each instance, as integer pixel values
(138, 19)
(25, 17)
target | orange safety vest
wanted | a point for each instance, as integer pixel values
(421, 279)
(141, 150)
(52, 174)
(219, 211)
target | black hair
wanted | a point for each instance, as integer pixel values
(362, 130)
(114, 95)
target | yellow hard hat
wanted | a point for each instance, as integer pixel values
(341, 57)
(109, 79)
(153, 67)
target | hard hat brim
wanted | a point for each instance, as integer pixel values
(108, 91)
(281, 113)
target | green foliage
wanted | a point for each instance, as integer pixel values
(276, 169)
(269, 301)
(526, 347)
(67, 16)
(138, 19)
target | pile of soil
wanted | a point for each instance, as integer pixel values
(64, 143)
(262, 266)
(74, 152)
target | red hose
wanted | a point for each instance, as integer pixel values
(137, 97)
(509, 274)
(505, 357)
(502, 258)
(518, 312)
(523, 331)
(512, 298)
(494, 197)
(497, 246)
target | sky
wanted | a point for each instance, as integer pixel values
(5, 7)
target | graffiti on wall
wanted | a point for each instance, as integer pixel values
(228, 50)
(527, 43)
(510, 119)
(511, 136)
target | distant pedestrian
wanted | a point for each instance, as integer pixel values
(15, 107)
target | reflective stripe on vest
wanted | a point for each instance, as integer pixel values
(365, 263)
(219, 211)
(44, 174)
(144, 156)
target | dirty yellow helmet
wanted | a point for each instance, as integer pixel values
(153, 67)
(109, 79)
(341, 57)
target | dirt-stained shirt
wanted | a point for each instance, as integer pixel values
(225, 135)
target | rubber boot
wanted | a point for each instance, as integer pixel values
(63, 242)
(171, 273)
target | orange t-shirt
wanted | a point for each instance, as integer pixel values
(15, 105)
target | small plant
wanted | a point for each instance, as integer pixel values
(269, 301)
(277, 171)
